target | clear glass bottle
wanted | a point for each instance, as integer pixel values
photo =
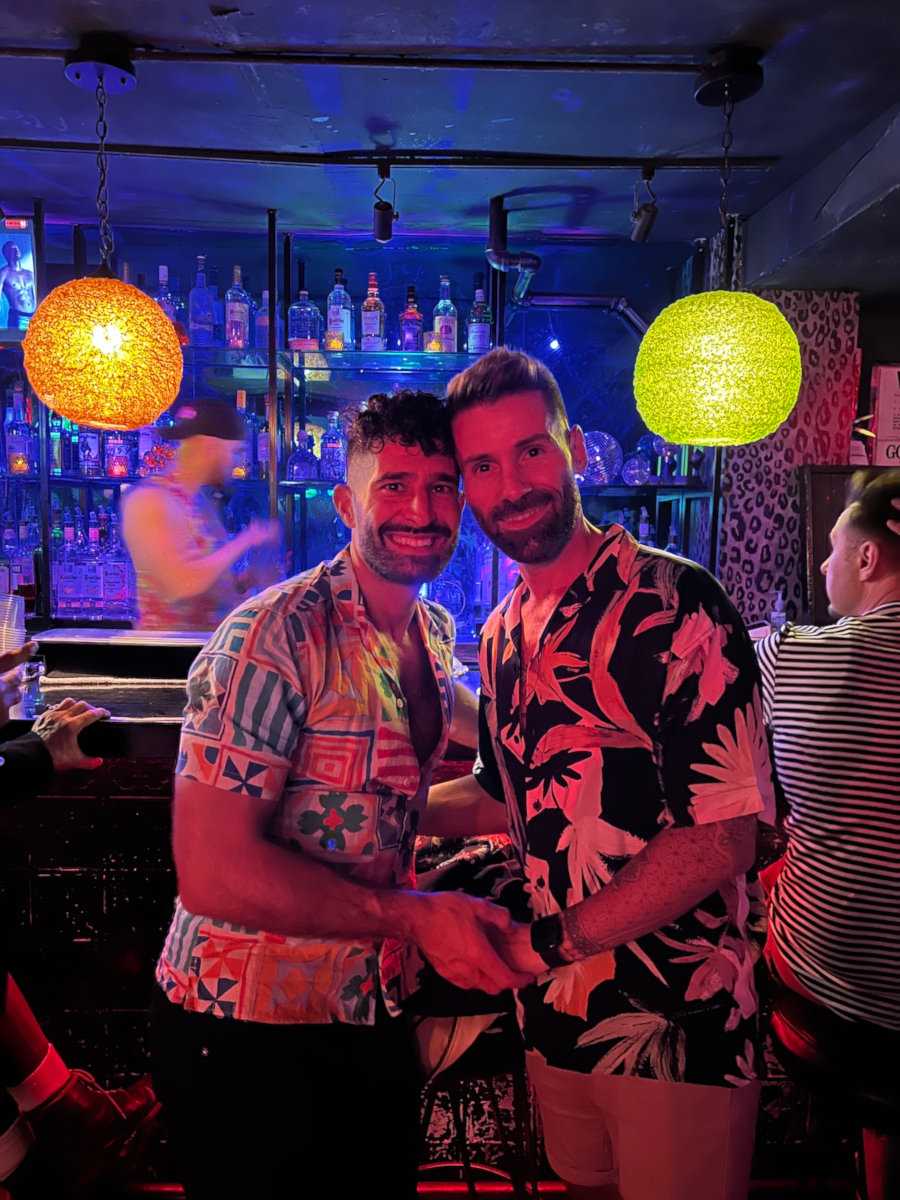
(218, 306)
(261, 325)
(304, 463)
(92, 572)
(333, 460)
(21, 439)
(59, 444)
(243, 467)
(202, 317)
(445, 319)
(411, 323)
(339, 331)
(118, 576)
(237, 314)
(372, 317)
(304, 324)
(478, 325)
(163, 295)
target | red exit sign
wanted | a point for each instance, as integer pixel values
(15, 223)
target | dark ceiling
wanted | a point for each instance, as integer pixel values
(830, 69)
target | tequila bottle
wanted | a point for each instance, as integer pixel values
(237, 314)
(304, 324)
(372, 317)
(333, 462)
(303, 463)
(445, 319)
(118, 575)
(92, 572)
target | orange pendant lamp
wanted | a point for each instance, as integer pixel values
(98, 351)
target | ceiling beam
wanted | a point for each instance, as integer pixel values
(617, 62)
(508, 160)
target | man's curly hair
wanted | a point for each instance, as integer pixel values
(408, 417)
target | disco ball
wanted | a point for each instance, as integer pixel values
(604, 457)
(651, 445)
(636, 470)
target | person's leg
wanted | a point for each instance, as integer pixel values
(578, 1139)
(82, 1130)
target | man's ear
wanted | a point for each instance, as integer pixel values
(577, 449)
(869, 558)
(343, 504)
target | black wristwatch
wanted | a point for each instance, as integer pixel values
(546, 939)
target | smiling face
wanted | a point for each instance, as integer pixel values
(403, 507)
(518, 466)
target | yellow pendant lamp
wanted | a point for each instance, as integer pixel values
(98, 351)
(719, 368)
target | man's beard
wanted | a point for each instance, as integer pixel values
(396, 567)
(544, 540)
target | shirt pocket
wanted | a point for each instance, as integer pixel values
(340, 826)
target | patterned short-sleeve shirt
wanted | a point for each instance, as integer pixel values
(639, 712)
(296, 699)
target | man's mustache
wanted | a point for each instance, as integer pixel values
(513, 508)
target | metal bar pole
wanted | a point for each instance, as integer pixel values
(287, 428)
(396, 159)
(602, 61)
(44, 603)
(272, 396)
(715, 515)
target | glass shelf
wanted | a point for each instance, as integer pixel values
(390, 362)
(308, 483)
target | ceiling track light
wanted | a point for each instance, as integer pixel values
(643, 214)
(384, 214)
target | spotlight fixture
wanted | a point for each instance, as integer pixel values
(643, 215)
(383, 213)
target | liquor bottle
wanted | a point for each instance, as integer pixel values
(72, 459)
(118, 576)
(339, 334)
(21, 443)
(304, 324)
(116, 455)
(7, 555)
(179, 303)
(218, 307)
(303, 463)
(261, 325)
(372, 317)
(445, 319)
(201, 312)
(243, 466)
(29, 540)
(478, 325)
(89, 448)
(69, 589)
(92, 572)
(56, 545)
(103, 515)
(237, 314)
(411, 323)
(59, 444)
(333, 460)
(163, 295)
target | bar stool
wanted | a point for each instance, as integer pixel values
(854, 1068)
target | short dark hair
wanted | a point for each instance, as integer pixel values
(408, 417)
(870, 501)
(499, 373)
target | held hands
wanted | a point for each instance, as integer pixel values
(59, 728)
(514, 947)
(460, 936)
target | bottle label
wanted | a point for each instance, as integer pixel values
(335, 318)
(237, 324)
(445, 328)
(371, 322)
(411, 337)
(299, 343)
(479, 338)
(115, 582)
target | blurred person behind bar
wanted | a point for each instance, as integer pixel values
(182, 557)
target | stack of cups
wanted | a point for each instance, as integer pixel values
(12, 623)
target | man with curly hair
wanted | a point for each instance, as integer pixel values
(316, 713)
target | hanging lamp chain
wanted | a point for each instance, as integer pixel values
(107, 245)
(727, 143)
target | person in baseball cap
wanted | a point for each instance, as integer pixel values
(182, 557)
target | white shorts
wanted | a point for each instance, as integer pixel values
(655, 1140)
